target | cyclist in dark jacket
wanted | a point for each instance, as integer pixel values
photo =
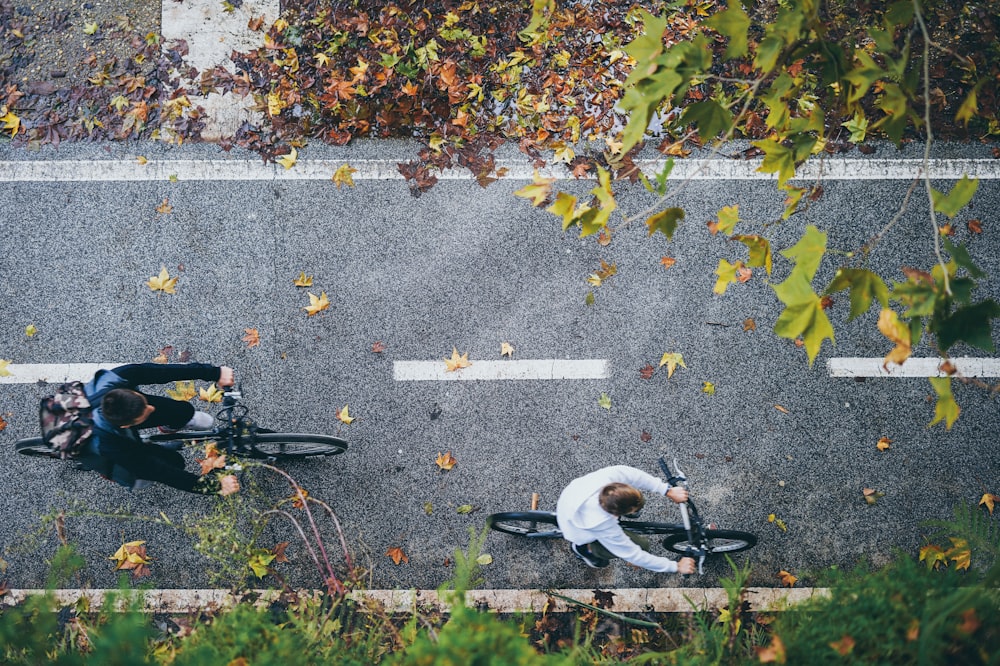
(118, 452)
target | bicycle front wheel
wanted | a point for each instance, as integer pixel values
(295, 445)
(34, 447)
(531, 524)
(716, 542)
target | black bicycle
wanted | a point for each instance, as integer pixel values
(235, 434)
(692, 538)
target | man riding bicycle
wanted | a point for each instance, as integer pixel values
(116, 450)
(589, 508)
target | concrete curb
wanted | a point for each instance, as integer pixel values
(625, 600)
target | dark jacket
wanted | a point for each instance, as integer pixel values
(119, 453)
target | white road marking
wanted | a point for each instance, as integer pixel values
(415, 371)
(912, 367)
(626, 600)
(385, 169)
(53, 373)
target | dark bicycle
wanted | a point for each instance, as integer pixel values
(692, 538)
(235, 434)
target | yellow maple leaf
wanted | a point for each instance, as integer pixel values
(163, 282)
(342, 176)
(317, 303)
(445, 460)
(252, 337)
(288, 161)
(933, 556)
(672, 360)
(182, 391)
(10, 121)
(960, 553)
(538, 190)
(132, 557)
(210, 394)
(506, 349)
(397, 555)
(303, 280)
(898, 333)
(141, 160)
(989, 500)
(344, 416)
(457, 362)
(883, 444)
(786, 578)
(30, 330)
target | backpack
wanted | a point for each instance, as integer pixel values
(66, 420)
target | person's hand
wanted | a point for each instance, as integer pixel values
(226, 376)
(230, 484)
(678, 494)
(685, 565)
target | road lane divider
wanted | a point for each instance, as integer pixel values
(912, 367)
(528, 369)
(53, 373)
(236, 169)
(625, 600)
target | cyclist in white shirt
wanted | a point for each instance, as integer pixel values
(589, 508)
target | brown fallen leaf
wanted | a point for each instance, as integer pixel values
(378, 347)
(844, 646)
(883, 443)
(786, 578)
(279, 552)
(871, 495)
(646, 371)
(164, 208)
(252, 337)
(749, 325)
(445, 460)
(773, 653)
(397, 555)
(604, 238)
(744, 274)
(975, 226)
(781, 409)
(645, 436)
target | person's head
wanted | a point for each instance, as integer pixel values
(621, 499)
(125, 408)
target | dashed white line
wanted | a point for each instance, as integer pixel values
(52, 373)
(912, 367)
(413, 371)
(386, 169)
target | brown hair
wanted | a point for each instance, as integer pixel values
(122, 406)
(620, 499)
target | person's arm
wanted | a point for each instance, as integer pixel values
(618, 544)
(163, 373)
(637, 479)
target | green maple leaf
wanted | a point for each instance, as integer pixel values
(672, 360)
(864, 286)
(949, 204)
(710, 117)
(727, 275)
(734, 23)
(604, 401)
(946, 409)
(972, 324)
(777, 159)
(728, 217)
(863, 76)
(665, 222)
(590, 224)
(259, 562)
(962, 258)
(803, 315)
(760, 250)
(808, 252)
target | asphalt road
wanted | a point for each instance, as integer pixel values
(471, 268)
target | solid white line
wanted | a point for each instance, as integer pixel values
(625, 600)
(415, 371)
(912, 367)
(386, 169)
(53, 373)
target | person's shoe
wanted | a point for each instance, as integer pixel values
(591, 560)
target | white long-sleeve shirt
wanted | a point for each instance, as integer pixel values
(583, 521)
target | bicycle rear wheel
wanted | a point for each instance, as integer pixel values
(531, 524)
(716, 542)
(35, 447)
(297, 445)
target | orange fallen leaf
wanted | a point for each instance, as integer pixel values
(871, 495)
(212, 460)
(299, 498)
(975, 226)
(667, 261)
(913, 633)
(457, 362)
(773, 653)
(164, 208)
(445, 460)
(844, 646)
(646, 372)
(3, 424)
(744, 274)
(749, 325)
(883, 444)
(786, 578)
(378, 347)
(604, 238)
(252, 337)
(969, 622)
(397, 555)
